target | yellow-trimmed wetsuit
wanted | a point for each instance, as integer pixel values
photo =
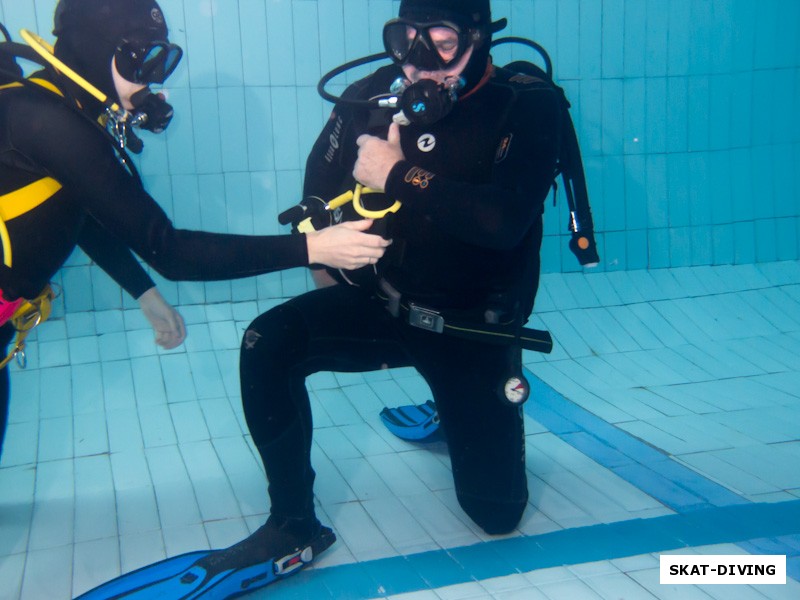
(87, 198)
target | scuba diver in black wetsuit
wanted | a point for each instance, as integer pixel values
(65, 181)
(472, 170)
(462, 173)
(469, 161)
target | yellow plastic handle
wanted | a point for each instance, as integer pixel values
(340, 200)
(372, 214)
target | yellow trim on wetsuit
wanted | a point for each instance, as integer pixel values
(19, 202)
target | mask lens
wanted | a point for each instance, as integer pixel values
(159, 63)
(398, 39)
(151, 63)
(430, 46)
(446, 41)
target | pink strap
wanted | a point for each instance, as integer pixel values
(8, 308)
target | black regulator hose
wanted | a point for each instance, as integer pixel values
(342, 69)
(548, 64)
(373, 103)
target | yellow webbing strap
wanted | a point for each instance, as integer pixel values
(27, 198)
(30, 314)
(42, 82)
(19, 202)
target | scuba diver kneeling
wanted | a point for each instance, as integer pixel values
(465, 153)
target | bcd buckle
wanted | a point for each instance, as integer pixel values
(425, 318)
(292, 562)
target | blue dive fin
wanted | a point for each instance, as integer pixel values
(201, 575)
(414, 422)
(124, 585)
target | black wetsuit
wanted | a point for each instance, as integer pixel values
(102, 208)
(473, 188)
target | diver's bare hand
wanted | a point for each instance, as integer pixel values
(166, 321)
(376, 157)
(345, 246)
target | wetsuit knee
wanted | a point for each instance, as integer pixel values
(493, 517)
(272, 348)
(279, 334)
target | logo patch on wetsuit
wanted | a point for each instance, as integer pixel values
(251, 338)
(419, 177)
(426, 142)
(333, 140)
(156, 15)
(503, 148)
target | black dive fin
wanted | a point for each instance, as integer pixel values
(416, 423)
(197, 575)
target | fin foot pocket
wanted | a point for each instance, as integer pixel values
(220, 574)
(414, 422)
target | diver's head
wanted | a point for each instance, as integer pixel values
(439, 39)
(98, 37)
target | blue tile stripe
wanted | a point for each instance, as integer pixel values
(638, 463)
(652, 471)
(435, 569)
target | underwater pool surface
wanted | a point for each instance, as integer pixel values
(665, 421)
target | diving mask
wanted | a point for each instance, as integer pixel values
(147, 62)
(427, 46)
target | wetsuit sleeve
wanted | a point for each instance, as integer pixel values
(496, 214)
(79, 156)
(114, 258)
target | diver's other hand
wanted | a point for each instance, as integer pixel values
(345, 246)
(376, 157)
(166, 321)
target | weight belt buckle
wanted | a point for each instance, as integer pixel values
(425, 318)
